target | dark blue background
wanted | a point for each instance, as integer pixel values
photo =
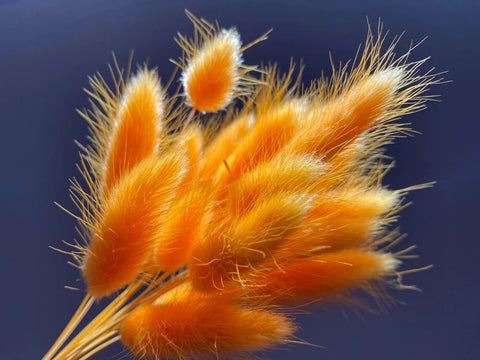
(47, 49)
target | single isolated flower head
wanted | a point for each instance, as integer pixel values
(208, 233)
(213, 73)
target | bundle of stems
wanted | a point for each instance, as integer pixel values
(208, 216)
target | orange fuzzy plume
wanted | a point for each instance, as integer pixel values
(174, 243)
(136, 128)
(355, 110)
(180, 226)
(212, 69)
(212, 75)
(274, 203)
(273, 130)
(130, 223)
(322, 275)
(200, 326)
(228, 252)
(286, 173)
(223, 145)
(340, 219)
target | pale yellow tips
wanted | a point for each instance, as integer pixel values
(136, 127)
(212, 74)
(131, 223)
(199, 327)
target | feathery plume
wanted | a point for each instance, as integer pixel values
(130, 223)
(322, 275)
(341, 219)
(230, 250)
(342, 119)
(223, 145)
(201, 326)
(286, 173)
(212, 69)
(273, 130)
(136, 129)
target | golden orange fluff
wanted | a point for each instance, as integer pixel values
(174, 243)
(285, 173)
(211, 76)
(212, 69)
(274, 128)
(130, 223)
(355, 110)
(180, 226)
(202, 326)
(135, 133)
(228, 250)
(322, 276)
(223, 144)
(340, 219)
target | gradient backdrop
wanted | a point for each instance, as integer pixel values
(49, 47)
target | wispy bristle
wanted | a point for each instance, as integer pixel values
(285, 173)
(174, 243)
(273, 130)
(222, 146)
(354, 111)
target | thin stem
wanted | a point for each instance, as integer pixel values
(189, 119)
(100, 347)
(106, 313)
(96, 335)
(96, 343)
(82, 310)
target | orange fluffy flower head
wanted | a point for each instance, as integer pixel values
(212, 67)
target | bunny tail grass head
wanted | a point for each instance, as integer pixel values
(192, 325)
(136, 127)
(213, 72)
(130, 223)
(323, 276)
